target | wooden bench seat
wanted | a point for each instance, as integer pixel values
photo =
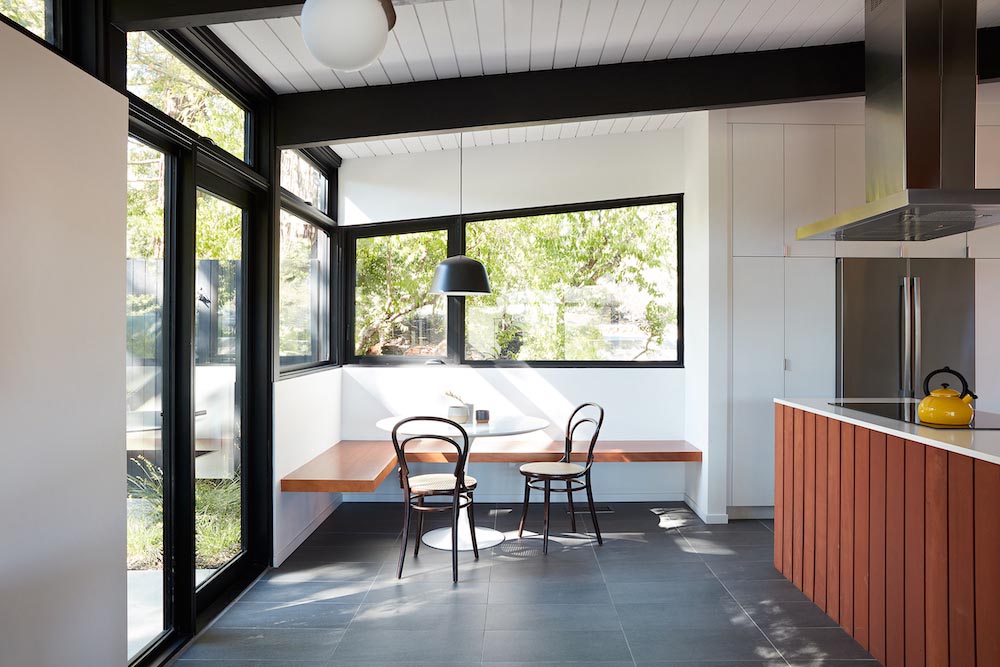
(359, 466)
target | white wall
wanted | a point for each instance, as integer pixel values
(640, 403)
(62, 362)
(307, 421)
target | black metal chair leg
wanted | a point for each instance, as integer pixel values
(545, 517)
(593, 512)
(420, 527)
(454, 539)
(472, 526)
(406, 533)
(572, 512)
(524, 509)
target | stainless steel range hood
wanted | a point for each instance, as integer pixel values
(920, 127)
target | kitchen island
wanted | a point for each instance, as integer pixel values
(893, 529)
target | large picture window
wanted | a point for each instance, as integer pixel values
(35, 16)
(303, 293)
(587, 284)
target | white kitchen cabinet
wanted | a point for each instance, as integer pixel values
(985, 243)
(987, 334)
(758, 375)
(758, 190)
(809, 184)
(810, 327)
(949, 246)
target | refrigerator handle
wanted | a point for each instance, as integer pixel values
(917, 346)
(906, 349)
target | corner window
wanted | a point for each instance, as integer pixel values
(159, 77)
(394, 312)
(35, 16)
(303, 179)
(594, 285)
(303, 293)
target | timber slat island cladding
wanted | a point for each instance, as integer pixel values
(897, 541)
(359, 466)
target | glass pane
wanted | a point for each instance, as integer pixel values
(300, 177)
(165, 81)
(586, 286)
(144, 393)
(218, 378)
(394, 312)
(303, 292)
(34, 15)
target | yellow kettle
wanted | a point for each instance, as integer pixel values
(945, 406)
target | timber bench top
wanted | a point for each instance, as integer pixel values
(359, 466)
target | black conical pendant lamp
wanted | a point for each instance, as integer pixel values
(460, 275)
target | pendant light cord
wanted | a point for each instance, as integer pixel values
(461, 172)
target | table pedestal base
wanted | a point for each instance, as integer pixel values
(441, 537)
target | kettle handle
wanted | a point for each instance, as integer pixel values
(949, 371)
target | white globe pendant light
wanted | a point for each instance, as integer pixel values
(347, 35)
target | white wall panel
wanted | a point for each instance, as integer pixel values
(987, 335)
(758, 184)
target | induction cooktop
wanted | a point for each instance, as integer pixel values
(907, 412)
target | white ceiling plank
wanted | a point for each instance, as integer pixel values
(743, 25)
(840, 17)
(393, 62)
(374, 75)
(517, 135)
(480, 138)
(646, 27)
(550, 132)
(623, 25)
(396, 146)
(412, 44)
(720, 26)
(603, 126)
(517, 34)
(849, 30)
(500, 137)
(361, 149)
(544, 30)
(637, 124)
(572, 18)
(811, 23)
(772, 17)
(241, 45)
(534, 133)
(595, 32)
(289, 32)
(655, 122)
(988, 14)
(490, 28)
(569, 130)
(449, 141)
(464, 36)
(676, 119)
(260, 33)
(620, 125)
(586, 128)
(789, 25)
(351, 79)
(431, 142)
(344, 151)
(413, 144)
(378, 147)
(695, 28)
(437, 36)
(670, 29)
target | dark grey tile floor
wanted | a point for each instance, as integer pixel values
(664, 589)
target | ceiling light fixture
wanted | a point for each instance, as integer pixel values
(347, 35)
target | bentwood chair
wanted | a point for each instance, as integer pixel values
(540, 476)
(457, 486)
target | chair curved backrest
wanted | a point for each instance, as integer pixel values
(461, 449)
(587, 413)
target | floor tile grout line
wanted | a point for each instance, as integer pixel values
(742, 608)
(358, 610)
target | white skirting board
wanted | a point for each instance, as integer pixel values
(704, 516)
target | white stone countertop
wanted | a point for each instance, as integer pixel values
(983, 445)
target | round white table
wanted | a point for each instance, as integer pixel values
(498, 426)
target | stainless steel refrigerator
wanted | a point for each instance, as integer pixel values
(899, 319)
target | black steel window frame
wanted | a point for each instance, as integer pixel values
(455, 225)
(309, 214)
(54, 20)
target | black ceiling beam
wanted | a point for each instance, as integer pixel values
(682, 84)
(988, 43)
(152, 15)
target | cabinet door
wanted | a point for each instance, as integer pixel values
(809, 184)
(758, 375)
(758, 190)
(987, 333)
(810, 327)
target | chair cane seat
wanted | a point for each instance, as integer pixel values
(552, 468)
(438, 482)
